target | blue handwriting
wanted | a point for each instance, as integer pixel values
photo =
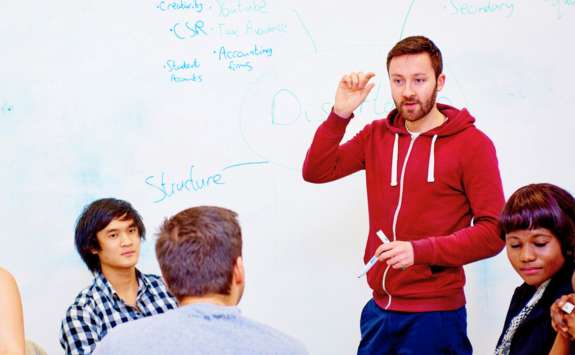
(238, 60)
(194, 5)
(224, 30)
(166, 187)
(171, 65)
(236, 7)
(245, 66)
(189, 30)
(482, 8)
(195, 78)
(287, 98)
(227, 54)
(252, 29)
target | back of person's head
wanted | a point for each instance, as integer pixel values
(95, 217)
(417, 45)
(541, 206)
(197, 250)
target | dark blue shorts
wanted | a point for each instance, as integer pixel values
(401, 333)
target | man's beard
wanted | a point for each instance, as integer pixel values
(421, 110)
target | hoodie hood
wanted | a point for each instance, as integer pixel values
(457, 121)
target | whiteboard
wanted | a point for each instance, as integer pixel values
(172, 104)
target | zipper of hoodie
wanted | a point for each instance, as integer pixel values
(396, 214)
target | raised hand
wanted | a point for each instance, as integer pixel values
(352, 90)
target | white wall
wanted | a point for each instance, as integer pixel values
(89, 108)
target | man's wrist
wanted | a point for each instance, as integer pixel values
(342, 114)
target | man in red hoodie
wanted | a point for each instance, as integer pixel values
(433, 187)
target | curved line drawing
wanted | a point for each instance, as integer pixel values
(405, 19)
(308, 33)
(242, 124)
(247, 93)
(246, 163)
(289, 92)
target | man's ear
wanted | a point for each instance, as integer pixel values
(239, 272)
(440, 81)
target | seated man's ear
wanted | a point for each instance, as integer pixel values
(239, 272)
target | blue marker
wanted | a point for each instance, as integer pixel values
(373, 259)
(368, 266)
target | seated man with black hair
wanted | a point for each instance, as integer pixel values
(108, 235)
(200, 255)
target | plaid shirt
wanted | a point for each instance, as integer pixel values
(98, 308)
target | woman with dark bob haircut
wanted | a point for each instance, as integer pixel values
(537, 225)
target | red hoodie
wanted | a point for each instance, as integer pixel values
(425, 189)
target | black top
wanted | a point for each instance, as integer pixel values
(535, 335)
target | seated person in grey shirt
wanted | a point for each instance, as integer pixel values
(200, 254)
(108, 236)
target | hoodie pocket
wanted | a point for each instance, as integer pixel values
(412, 281)
(399, 281)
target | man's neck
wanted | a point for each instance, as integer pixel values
(217, 299)
(124, 282)
(428, 122)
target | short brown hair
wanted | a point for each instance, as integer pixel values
(417, 45)
(197, 250)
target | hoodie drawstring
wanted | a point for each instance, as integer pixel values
(431, 163)
(394, 161)
(431, 166)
